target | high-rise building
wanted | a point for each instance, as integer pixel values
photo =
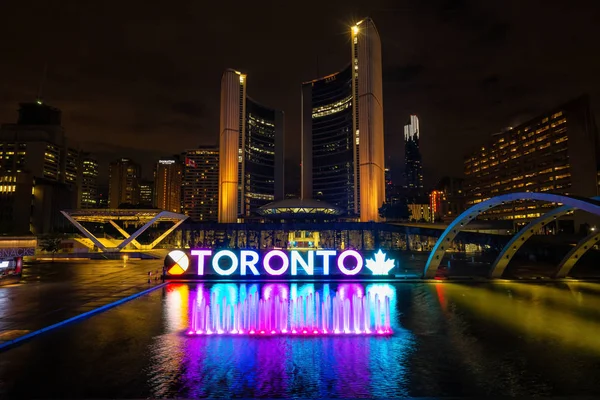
(201, 184)
(124, 183)
(40, 172)
(102, 196)
(413, 168)
(250, 151)
(89, 181)
(342, 131)
(147, 195)
(168, 180)
(555, 152)
(450, 191)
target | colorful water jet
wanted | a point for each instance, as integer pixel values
(306, 315)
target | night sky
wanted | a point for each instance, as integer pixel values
(141, 78)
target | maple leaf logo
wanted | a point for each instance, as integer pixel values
(379, 265)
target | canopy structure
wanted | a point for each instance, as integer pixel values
(146, 218)
(299, 208)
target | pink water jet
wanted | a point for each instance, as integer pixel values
(359, 315)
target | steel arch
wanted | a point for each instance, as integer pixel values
(575, 254)
(436, 255)
(511, 248)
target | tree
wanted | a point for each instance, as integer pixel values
(51, 244)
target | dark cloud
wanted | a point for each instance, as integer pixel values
(496, 34)
(490, 81)
(188, 108)
(403, 73)
(145, 80)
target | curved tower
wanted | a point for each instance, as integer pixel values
(250, 151)
(342, 131)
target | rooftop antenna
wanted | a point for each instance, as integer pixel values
(39, 99)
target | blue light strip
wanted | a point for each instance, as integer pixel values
(78, 317)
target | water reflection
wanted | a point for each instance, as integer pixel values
(566, 314)
(279, 365)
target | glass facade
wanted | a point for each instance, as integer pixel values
(259, 157)
(413, 168)
(333, 168)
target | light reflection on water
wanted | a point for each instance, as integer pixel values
(277, 366)
(500, 339)
(449, 339)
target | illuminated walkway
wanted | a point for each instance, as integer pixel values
(52, 292)
(144, 217)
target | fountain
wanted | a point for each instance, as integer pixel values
(306, 315)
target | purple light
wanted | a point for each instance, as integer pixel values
(284, 259)
(357, 257)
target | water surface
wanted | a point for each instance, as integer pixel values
(501, 339)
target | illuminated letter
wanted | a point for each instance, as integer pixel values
(326, 254)
(357, 257)
(251, 264)
(284, 260)
(309, 266)
(201, 254)
(217, 257)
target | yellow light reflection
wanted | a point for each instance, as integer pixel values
(535, 311)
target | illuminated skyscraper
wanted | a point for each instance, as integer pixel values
(124, 183)
(250, 151)
(201, 184)
(147, 193)
(413, 168)
(40, 172)
(89, 182)
(342, 131)
(168, 179)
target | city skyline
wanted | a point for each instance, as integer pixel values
(471, 89)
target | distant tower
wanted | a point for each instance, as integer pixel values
(168, 180)
(201, 184)
(342, 130)
(124, 183)
(250, 151)
(413, 168)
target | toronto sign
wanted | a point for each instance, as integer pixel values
(276, 262)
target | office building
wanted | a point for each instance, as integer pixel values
(124, 183)
(40, 172)
(102, 196)
(555, 152)
(201, 184)
(250, 151)
(413, 167)
(451, 197)
(147, 196)
(89, 181)
(342, 131)
(168, 180)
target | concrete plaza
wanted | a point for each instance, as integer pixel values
(52, 292)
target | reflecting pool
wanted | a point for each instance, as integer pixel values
(446, 339)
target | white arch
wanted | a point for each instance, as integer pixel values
(436, 255)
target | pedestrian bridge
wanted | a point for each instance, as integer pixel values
(567, 204)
